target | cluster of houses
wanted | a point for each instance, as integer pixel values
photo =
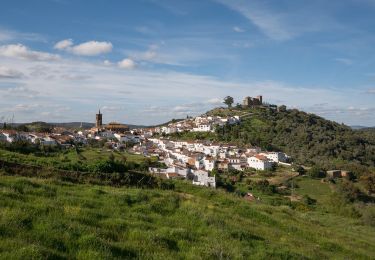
(195, 160)
(115, 133)
(67, 138)
(47, 139)
(197, 124)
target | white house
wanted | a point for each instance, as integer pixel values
(2, 138)
(223, 155)
(11, 136)
(107, 134)
(127, 138)
(33, 138)
(121, 137)
(168, 130)
(201, 178)
(276, 156)
(211, 150)
(209, 163)
(236, 166)
(48, 141)
(182, 171)
(253, 150)
(203, 128)
(259, 162)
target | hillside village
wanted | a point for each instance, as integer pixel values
(191, 160)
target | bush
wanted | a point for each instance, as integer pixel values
(308, 200)
(368, 216)
(263, 186)
(316, 172)
(349, 192)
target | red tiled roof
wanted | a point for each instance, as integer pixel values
(261, 157)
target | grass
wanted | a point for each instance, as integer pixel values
(314, 188)
(41, 218)
(86, 156)
(278, 177)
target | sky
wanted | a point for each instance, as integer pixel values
(148, 61)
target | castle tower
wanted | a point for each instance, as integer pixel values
(246, 102)
(99, 120)
(260, 98)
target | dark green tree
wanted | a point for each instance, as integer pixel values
(228, 100)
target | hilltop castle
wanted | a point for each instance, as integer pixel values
(250, 101)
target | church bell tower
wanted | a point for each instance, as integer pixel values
(99, 120)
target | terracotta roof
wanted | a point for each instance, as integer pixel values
(261, 157)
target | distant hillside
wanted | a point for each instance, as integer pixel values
(359, 127)
(34, 126)
(170, 121)
(74, 125)
(308, 138)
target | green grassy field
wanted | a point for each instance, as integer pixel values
(89, 154)
(313, 188)
(70, 156)
(52, 219)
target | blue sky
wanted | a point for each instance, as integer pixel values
(147, 61)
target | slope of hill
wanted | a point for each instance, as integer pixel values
(308, 138)
(358, 127)
(40, 126)
(50, 219)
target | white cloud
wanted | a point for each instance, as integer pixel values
(180, 52)
(22, 52)
(112, 108)
(64, 44)
(149, 55)
(19, 92)
(6, 72)
(283, 24)
(269, 23)
(90, 48)
(344, 61)
(24, 108)
(107, 63)
(10, 35)
(215, 101)
(127, 64)
(238, 29)
(165, 94)
(5, 36)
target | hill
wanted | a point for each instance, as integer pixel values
(169, 122)
(42, 126)
(308, 138)
(358, 127)
(51, 219)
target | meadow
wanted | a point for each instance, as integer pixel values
(53, 219)
(85, 155)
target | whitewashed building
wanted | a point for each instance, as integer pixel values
(276, 156)
(201, 178)
(259, 162)
(203, 128)
(209, 163)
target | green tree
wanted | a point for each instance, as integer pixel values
(111, 157)
(228, 100)
(369, 182)
(316, 172)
